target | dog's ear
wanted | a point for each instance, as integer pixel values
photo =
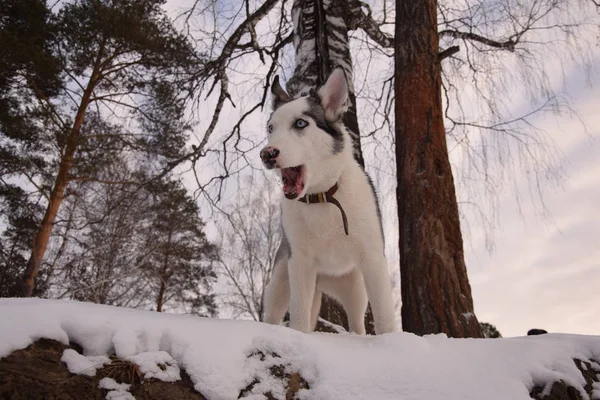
(334, 95)
(280, 96)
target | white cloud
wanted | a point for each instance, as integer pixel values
(546, 274)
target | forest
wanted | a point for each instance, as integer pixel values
(130, 132)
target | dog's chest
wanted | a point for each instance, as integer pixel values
(317, 230)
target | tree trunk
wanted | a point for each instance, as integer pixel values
(161, 294)
(164, 277)
(321, 43)
(436, 295)
(42, 237)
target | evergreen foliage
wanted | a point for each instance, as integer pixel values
(490, 331)
(92, 107)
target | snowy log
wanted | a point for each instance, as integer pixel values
(69, 350)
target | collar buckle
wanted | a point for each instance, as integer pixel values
(326, 197)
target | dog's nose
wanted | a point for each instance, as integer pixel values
(268, 156)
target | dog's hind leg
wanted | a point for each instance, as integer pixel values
(349, 290)
(315, 309)
(277, 293)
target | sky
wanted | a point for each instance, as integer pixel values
(544, 270)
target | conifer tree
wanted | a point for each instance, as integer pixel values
(118, 81)
(179, 265)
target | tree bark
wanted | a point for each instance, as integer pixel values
(161, 294)
(321, 43)
(164, 276)
(436, 295)
(42, 237)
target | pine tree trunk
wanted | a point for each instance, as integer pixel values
(163, 275)
(321, 42)
(42, 237)
(436, 295)
(161, 294)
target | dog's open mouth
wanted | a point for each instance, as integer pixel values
(293, 181)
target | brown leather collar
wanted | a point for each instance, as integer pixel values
(326, 197)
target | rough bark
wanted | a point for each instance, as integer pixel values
(42, 237)
(161, 294)
(163, 277)
(436, 295)
(321, 43)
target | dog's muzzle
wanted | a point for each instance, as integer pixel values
(268, 155)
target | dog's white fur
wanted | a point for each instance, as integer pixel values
(351, 269)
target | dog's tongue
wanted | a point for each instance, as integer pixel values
(292, 182)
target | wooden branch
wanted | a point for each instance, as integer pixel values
(244, 27)
(39, 188)
(507, 45)
(448, 52)
(92, 179)
(359, 19)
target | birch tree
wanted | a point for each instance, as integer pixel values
(482, 44)
(250, 231)
(321, 43)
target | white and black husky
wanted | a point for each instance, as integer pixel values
(333, 241)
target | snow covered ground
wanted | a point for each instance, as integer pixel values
(217, 355)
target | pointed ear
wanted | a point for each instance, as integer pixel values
(280, 96)
(334, 95)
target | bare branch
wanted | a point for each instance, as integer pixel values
(359, 19)
(98, 180)
(448, 52)
(506, 45)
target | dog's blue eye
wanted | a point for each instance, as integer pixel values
(300, 123)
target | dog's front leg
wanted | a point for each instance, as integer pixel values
(303, 280)
(379, 290)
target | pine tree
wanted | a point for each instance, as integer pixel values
(179, 268)
(436, 295)
(21, 218)
(123, 76)
(490, 331)
(26, 61)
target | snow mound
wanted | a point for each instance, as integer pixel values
(224, 357)
(117, 391)
(81, 365)
(596, 391)
(157, 364)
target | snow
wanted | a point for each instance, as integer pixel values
(223, 357)
(596, 391)
(117, 391)
(81, 365)
(335, 327)
(468, 315)
(157, 364)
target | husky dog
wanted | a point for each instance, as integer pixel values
(332, 241)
